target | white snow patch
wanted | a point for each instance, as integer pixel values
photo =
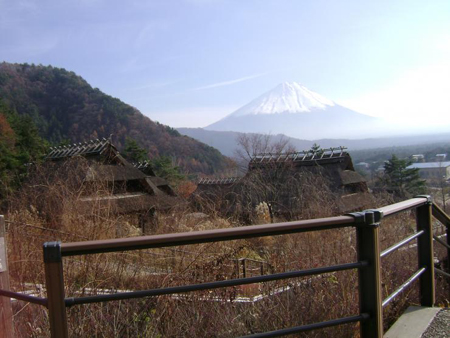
(288, 97)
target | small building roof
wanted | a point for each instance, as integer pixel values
(93, 147)
(301, 156)
(210, 181)
(429, 165)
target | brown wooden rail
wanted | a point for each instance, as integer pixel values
(366, 224)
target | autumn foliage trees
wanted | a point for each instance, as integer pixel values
(20, 144)
(65, 107)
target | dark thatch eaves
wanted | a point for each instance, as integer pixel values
(334, 165)
(135, 186)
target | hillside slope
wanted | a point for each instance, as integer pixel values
(65, 107)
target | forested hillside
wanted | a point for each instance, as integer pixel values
(20, 144)
(65, 107)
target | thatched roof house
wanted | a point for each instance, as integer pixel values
(131, 188)
(334, 163)
(283, 179)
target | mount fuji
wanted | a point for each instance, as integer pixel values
(296, 111)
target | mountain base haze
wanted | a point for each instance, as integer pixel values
(335, 122)
(227, 141)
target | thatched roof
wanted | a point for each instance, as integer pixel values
(335, 163)
(145, 167)
(107, 165)
(93, 147)
(350, 177)
(301, 158)
(110, 173)
(221, 181)
(333, 166)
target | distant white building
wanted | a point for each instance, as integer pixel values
(418, 157)
(362, 165)
(380, 169)
(432, 170)
(441, 157)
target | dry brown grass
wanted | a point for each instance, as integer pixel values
(201, 314)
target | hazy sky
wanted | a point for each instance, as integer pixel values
(189, 63)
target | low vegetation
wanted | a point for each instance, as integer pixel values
(54, 210)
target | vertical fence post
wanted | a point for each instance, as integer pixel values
(54, 282)
(367, 239)
(447, 232)
(6, 325)
(425, 252)
(244, 267)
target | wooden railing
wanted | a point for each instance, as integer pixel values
(366, 224)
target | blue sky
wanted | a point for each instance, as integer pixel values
(190, 63)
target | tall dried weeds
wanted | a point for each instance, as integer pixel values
(51, 208)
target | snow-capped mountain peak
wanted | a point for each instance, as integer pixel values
(287, 97)
(296, 111)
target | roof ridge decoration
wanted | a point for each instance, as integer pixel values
(142, 165)
(146, 167)
(305, 155)
(92, 147)
(223, 180)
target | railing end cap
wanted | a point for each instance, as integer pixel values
(428, 197)
(52, 252)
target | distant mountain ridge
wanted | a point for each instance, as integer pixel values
(226, 141)
(65, 107)
(296, 111)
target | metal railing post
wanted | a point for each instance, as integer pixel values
(425, 253)
(447, 232)
(6, 324)
(368, 249)
(54, 282)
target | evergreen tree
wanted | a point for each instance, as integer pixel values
(20, 144)
(133, 152)
(163, 167)
(400, 180)
(317, 149)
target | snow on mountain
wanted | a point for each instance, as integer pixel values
(287, 97)
(296, 111)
